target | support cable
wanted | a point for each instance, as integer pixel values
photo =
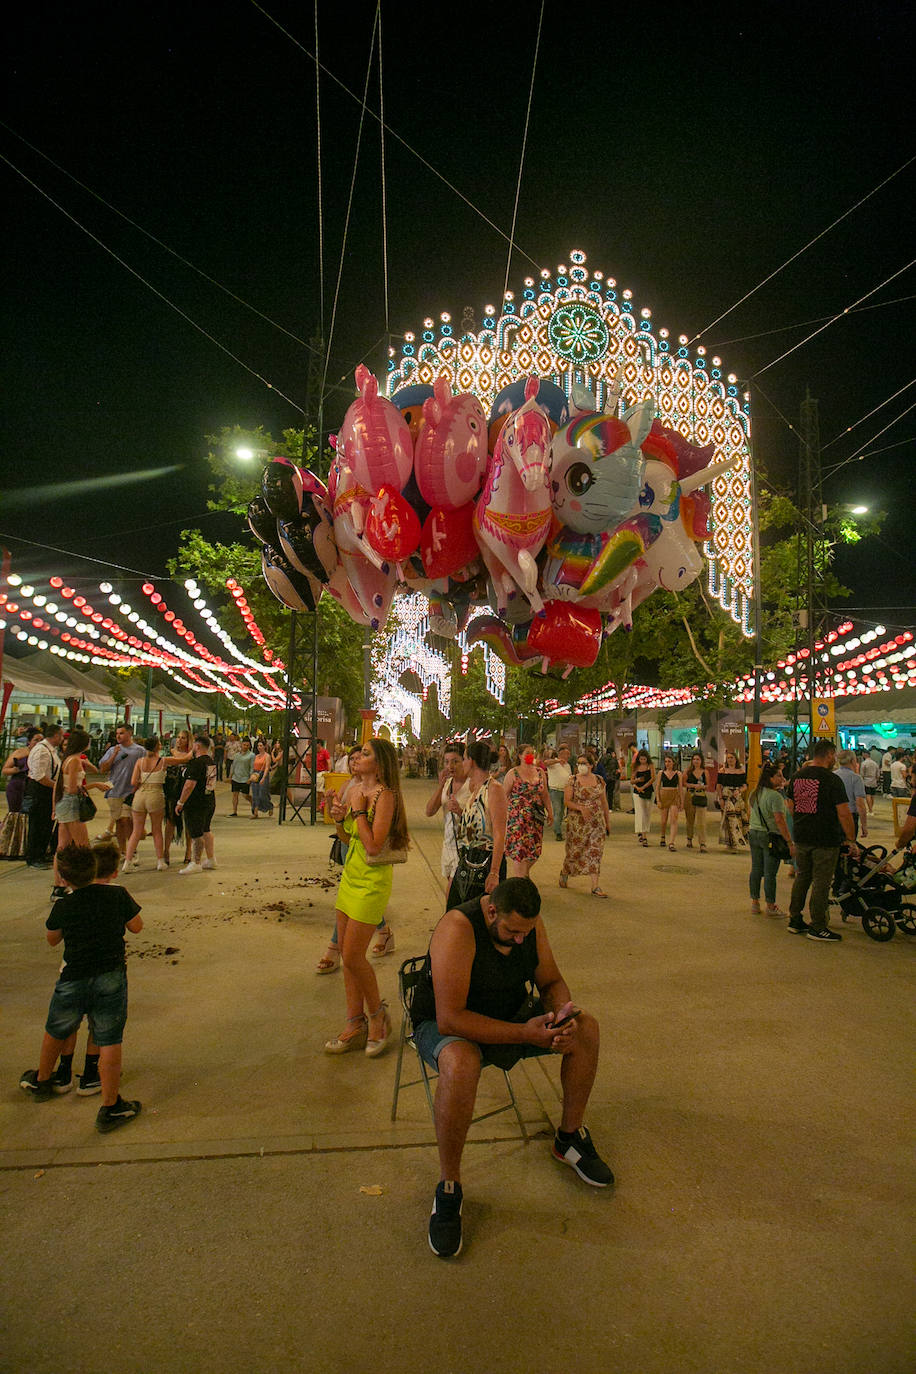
(381, 110)
(521, 161)
(861, 451)
(810, 244)
(872, 412)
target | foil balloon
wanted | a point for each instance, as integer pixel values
(551, 399)
(447, 542)
(409, 401)
(566, 634)
(373, 442)
(512, 514)
(293, 588)
(392, 527)
(261, 520)
(450, 455)
(296, 539)
(596, 470)
(281, 487)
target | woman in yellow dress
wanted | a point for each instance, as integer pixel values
(373, 817)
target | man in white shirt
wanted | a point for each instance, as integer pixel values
(887, 759)
(44, 766)
(452, 758)
(558, 775)
(870, 774)
(855, 791)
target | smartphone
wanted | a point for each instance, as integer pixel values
(564, 1020)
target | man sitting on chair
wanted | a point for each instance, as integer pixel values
(471, 1009)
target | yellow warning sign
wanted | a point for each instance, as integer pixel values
(823, 718)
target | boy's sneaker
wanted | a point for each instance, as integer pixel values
(798, 927)
(580, 1154)
(445, 1220)
(90, 1082)
(825, 935)
(131, 866)
(192, 867)
(110, 1118)
(62, 1079)
(161, 865)
(208, 863)
(41, 1092)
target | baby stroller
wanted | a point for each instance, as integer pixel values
(883, 899)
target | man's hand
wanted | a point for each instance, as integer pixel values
(544, 1036)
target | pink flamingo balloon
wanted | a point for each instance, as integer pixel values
(512, 514)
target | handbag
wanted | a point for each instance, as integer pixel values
(699, 799)
(386, 856)
(87, 807)
(470, 878)
(775, 842)
(338, 853)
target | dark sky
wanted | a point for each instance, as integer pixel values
(688, 151)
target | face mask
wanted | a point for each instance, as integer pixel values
(528, 758)
(582, 767)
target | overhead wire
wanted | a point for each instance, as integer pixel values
(394, 133)
(149, 285)
(860, 453)
(343, 246)
(803, 324)
(810, 244)
(179, 257)
(847, 310)
(521, 161)
(381, 108)
(873, 411)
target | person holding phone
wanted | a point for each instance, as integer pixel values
(472, 1007)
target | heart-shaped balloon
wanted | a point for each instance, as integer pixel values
(392, 527)
(447, 543)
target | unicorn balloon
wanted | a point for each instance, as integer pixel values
(512, 515)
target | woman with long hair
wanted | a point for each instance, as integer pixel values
(330, 960)
(731, 791)
(480, 828)
(668, 798)
(528, 809)
(696, 801)
(148, 782)
(588, 822)
(16, 772)
(260, 779)
(181, 753)
(642, 782)
(69, 787)
(500, 769)
(768, 817)
(373, 820)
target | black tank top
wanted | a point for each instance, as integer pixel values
(498, 983)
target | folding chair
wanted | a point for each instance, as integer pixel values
(409, 975)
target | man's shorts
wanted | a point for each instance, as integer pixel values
(430, 1042)
(102, 998)
(243, 787)
(119, 807)
(871, 791)
(197, 819)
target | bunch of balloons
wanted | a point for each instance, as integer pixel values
(560, 517)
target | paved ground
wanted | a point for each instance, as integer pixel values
(754, 1098)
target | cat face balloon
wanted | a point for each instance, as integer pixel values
(597, 470)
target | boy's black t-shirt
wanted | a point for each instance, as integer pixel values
(92, 920)
(202, 772)
(816, 793)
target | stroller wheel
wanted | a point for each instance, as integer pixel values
(878, 925)
(906, 920)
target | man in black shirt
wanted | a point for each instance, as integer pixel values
(817, 800)
(198, 803)
(472, 1010)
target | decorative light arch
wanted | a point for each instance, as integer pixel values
(576, 327)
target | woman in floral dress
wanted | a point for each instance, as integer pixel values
(529, 808)
(731, 792)
(588, 821)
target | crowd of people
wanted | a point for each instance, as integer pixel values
(491, 991)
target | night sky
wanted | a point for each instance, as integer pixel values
(689, 151)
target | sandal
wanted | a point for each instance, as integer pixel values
(702, 849)
(375, 1047)
(330, 962)
(564, 881)
(598, 892)
(644, 841)
(673, 848)
(350, 1040)
(384, 944)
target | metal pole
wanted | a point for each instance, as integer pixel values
(146, 700)
(755, 753)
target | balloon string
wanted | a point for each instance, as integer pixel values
(521, 161)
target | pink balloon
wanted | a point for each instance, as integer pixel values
(451, 449)
(374, 441)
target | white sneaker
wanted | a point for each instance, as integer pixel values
(208, 863)
(128, 867)
(161, 865)
(192, 867)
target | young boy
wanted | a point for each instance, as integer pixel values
(93, 982)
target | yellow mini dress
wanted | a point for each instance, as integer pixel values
(364, 891)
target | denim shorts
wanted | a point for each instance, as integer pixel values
(102, 998)
(67, 808)
(430, 1043)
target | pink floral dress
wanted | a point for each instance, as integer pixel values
(585, 833)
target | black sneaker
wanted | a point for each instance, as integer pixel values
(580, 1154)
(110, 1118)
(826, 935)
(90, 1082)
(41, 1092)
(57, 892)
(798, 927)
(445, 1220)
(62, 1079)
